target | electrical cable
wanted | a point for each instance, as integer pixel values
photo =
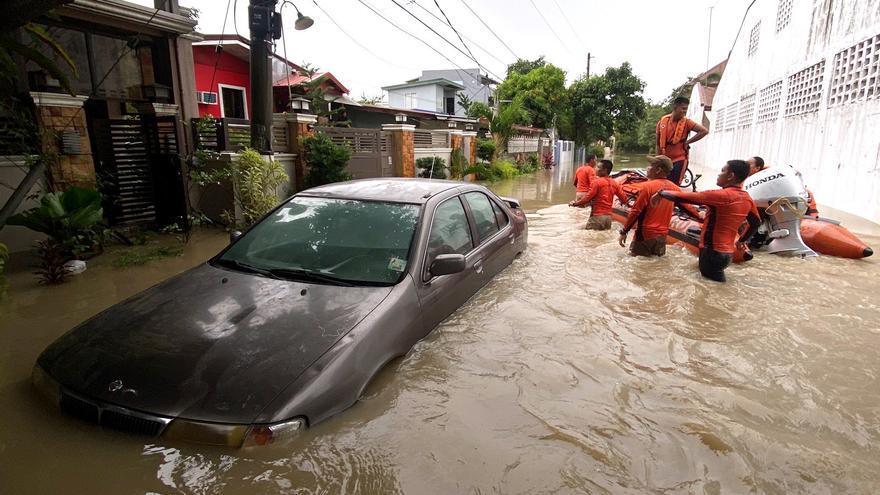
(490, 29)
(549, 26)
(219, 48)
(487, 52)
(448, 22)
(576, 35)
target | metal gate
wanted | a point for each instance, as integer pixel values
(139, 169)
(369, 150)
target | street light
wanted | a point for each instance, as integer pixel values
(400, 117)
(299, 104)
(303, 22)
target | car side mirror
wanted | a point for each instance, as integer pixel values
(234, 235)
(447, 264)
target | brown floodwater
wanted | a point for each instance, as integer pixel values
(577, 370)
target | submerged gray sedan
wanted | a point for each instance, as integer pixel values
(287, 325)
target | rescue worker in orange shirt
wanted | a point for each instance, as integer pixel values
(584, 176)
(672, 137)
(602, 192)
(651, 218)
(728, 208)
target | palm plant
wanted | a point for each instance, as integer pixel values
(501, 124)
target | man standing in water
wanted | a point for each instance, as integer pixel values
(672, 137)
(583, 177)
(729, 207)
(651, 218)
(602, 192)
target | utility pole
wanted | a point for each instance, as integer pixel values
(709, 41)
(589, 57)
(264, 24)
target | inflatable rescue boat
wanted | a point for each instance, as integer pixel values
(781, 198)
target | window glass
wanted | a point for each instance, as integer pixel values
(233, 103)
(357, 241)
(449, 230)
(500, 216)
(74, 43)
(484, 216)
(122, 80)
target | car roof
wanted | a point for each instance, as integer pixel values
(398, 190)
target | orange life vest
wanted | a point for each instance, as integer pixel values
(663, 129)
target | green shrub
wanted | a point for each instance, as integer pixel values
(596, 149)
(504, 169)
(431, 167)
(481, 171)
(457, 164)
(256, 180)
(328, 161)
(4, 256)
(485, 149)
(529, 164)
(71, 219)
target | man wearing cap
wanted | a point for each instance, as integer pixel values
(672, 137)
(651, 218)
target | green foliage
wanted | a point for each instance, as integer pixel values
(141, 256)
(529, 165)
(502, 124)
(30, 52)
(643, 139)
(497, 170)
(485, 149)
(369, 100)
(70, 218)
(256, 180)
(596, 149)
(4, 257)
(608, 104)
(431, 167)
(314, 92)
(479, 109)
(541, 92)
(457, 164)
(328, 161)
(464, 101)
(523, 66)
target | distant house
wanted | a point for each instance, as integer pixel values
(437, 90)
(223, 78)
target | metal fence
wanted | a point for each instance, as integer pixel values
(431, 139)
(369, 150)
(523, 144)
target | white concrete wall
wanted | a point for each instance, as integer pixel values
(696, 112)
(835, 146)
(429, 97)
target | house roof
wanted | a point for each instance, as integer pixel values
(716, 69)
(528, 129)
(128, 15)
(299, 79)
(237, 46)
(440, 81)
(707, 94)
(415, 113)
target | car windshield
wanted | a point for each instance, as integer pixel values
(329, 241)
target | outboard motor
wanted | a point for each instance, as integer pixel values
(780, 193)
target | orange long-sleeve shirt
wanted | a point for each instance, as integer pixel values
(602, 192)
(653, 220)
(583, 178)
(729, 208)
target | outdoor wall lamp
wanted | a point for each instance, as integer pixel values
(400, 117)
(302, 21)
(299, 104)
(469, 127)
(452, 124)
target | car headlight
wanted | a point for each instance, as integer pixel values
(46, 385)
(232, 435)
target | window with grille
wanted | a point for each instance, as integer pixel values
(768, 102)
(746, 110)
(719, 121)
(754, 37)
(804, 90)
(856, 73)
(783, 14)
(730, 116)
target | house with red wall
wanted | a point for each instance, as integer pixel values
(222, 73)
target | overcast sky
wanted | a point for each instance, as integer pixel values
(665, 41)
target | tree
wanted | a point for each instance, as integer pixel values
(501, 125)
(523, 66)
(607, 105)
(541, 92)
(642, 139)
(479, 109)
(369, 100)
(464, 101)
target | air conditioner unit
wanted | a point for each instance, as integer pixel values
(207, 97)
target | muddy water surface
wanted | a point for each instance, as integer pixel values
(577, 370)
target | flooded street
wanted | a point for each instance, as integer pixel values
(577, 370)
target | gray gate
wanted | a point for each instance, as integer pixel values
(369, 150)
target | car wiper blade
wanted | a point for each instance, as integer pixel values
(301, 274)
(247, 267)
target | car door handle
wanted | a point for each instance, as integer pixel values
(478, 266)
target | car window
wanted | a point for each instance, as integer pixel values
(449, 230)
(500, 216)
(484, 215)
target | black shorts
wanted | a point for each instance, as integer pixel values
(713, 263)
(648, 247)
(677, 173)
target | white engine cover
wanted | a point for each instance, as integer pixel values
(770, 184)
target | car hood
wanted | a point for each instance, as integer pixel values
(209, 344)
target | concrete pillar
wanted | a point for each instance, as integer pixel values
(57, 113)
(469, 145)
(403, 153)
(298, 127)
(455, 139)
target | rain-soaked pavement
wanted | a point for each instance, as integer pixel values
(577, 370)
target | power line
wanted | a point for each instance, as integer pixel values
(490, 29)
(219, 48)
(438, 34)
(549, 26)
(459, 36)
(364, 47)
(576, 35)
(487, 52)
